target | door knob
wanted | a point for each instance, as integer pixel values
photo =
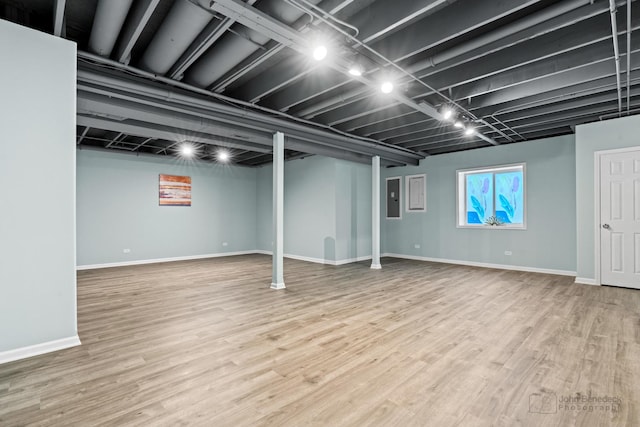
(606, 226)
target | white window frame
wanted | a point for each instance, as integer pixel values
(407, 198)
(386, 192)
(461, 196)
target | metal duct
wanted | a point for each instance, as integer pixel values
(108, 20)
(179, 29)
(232, 49)
(227, 53)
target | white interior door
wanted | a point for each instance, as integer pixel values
(620, 219)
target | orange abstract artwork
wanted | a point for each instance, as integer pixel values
(175, 190)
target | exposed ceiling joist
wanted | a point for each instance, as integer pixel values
(283, 34)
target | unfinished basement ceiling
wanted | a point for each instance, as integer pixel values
(155, 73)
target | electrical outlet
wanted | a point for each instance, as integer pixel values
(508, 253)
(126, 251)
(225, 244)
(416, 246)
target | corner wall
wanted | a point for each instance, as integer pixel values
(327, 210)
(118, 209)
(37, 171)
(548, 243)
(592, 137)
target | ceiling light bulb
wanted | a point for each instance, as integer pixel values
(387, 87)
(458, 124)
(187, 150)
(223, 156)
(319, 53)
(469, 131)
(447, 113)
(355, 70)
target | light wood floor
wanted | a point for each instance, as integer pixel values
(208, 343)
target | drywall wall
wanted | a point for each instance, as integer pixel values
(353, 211)
(37, 169)
(323, 222)
(590, 138)
(118, 209)
(548, 243)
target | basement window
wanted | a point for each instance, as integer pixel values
(492, 197)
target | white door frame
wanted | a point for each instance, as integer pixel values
(596, 173)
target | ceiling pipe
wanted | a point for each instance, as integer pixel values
(107, 23)
(461, 49)
(284, 34)
(271, 49)
(629, 30)
(179, 29)
(613, 8)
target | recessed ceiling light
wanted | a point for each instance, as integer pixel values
(187, 150)
(223, 156)
(386, 87)
(320, 52)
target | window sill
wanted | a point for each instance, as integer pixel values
(493, 227)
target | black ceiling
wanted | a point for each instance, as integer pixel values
(155, 73)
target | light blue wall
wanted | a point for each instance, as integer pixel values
(353, 210)
(592, 137)
(322, 221)
(264, 208)
(118, 209)
(37, 171)
(309, 208)
(549, 242)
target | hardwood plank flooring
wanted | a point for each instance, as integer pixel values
(208, 343)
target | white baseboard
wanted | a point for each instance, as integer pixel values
(158, 260)
(318, 260)
(484, 264)
(586, 281)
(352, 260)
(37, 349)
(278, 285)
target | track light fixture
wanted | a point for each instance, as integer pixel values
(386, 87)
(469, 131)
(320, 52)
(459, 124)
(447, 113)
(355, 69)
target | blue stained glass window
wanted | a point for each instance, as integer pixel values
(492, 192)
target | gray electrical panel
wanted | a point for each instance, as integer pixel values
(393, 197)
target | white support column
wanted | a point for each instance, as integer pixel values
(375, 213)
(277, 281)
